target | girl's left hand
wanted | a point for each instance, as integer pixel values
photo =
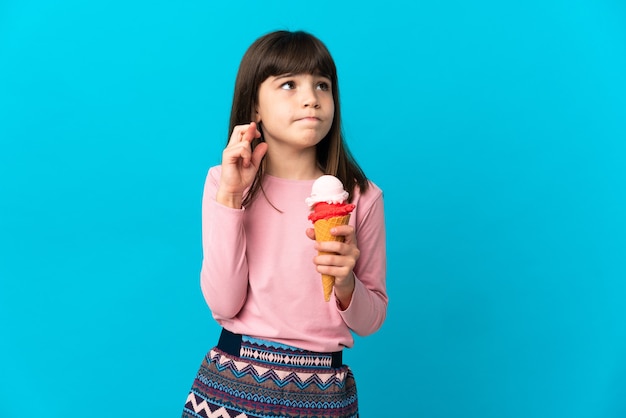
(340, 262)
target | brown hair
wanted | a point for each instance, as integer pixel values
(284, 52)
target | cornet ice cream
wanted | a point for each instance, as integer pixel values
(328, 210)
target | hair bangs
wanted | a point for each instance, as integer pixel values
(298, 54)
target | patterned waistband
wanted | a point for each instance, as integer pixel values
(275, 353)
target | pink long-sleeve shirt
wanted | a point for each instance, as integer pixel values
(258, 276)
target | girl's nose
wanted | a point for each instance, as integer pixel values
(310, 99)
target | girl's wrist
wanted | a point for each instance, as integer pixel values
(232, 200)
(343, 302)
(343, 294)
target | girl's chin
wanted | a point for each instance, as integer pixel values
(300, 140)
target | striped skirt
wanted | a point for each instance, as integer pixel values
(244, 377)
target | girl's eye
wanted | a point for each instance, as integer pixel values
(289, 85)
(324, 86)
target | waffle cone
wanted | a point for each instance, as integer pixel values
(322, 233)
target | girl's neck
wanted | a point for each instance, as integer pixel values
(298, 166)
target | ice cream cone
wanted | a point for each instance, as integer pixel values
(322, 233)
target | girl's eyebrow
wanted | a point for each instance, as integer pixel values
(278, 77)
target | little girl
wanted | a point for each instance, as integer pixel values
(280, 350)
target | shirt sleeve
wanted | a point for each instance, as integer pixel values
(368, 307)
(224, 273)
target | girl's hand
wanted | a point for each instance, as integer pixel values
(340, 262)
(239, 164)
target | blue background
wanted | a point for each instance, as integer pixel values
(496, 129)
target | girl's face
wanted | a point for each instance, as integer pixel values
(295, 110)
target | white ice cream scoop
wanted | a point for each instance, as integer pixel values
(327, 189)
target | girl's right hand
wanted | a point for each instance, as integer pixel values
(239, 164)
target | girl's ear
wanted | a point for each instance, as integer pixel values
(257, 116)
